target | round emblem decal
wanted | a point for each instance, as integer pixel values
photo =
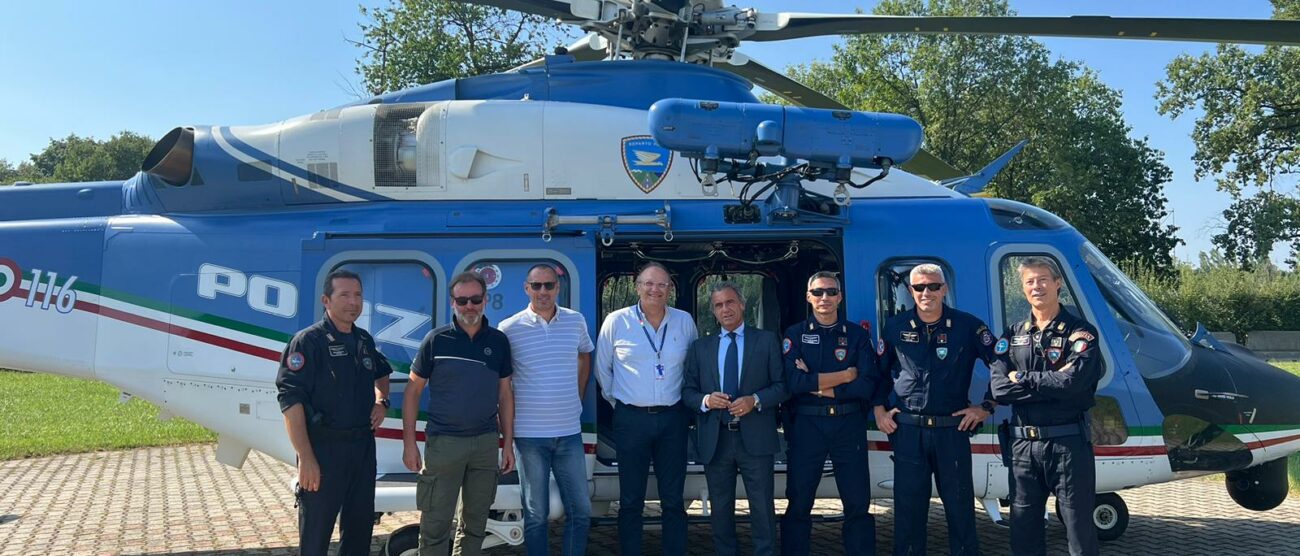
(1001, 348)
(10, 276)
(986, 338)
(786, 344)
(368, 363)
(490, 273)
(487, 351)
(295, 361)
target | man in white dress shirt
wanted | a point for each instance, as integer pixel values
(640, 354)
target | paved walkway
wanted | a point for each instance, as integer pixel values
(181, 501)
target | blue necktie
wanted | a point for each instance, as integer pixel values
(731, 369)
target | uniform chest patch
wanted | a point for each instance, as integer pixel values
(812, 339)
(842, 341)
(942, 339)
(1054, 354)
(295, 361)
(786, 344)
(368, 363)
(941, 352)
(1058, 342)
(910, 337)
(338, 350)
(1021, 340)
(487, 351)
(841, 353)
(1002, 347)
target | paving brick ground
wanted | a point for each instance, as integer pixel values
(181, 501)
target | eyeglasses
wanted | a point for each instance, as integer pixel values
(823, 292)
(471, 300)
(655, 285)
(932, 286)
(539, 286)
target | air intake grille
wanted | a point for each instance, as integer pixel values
(392, 123)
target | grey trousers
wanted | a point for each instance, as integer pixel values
(453, 464)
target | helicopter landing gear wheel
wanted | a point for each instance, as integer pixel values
(1110, 516)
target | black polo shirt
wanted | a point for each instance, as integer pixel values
(464, 377)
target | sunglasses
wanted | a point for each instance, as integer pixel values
(471, 300)
(539, 286)
(932, 286)
(823, 292)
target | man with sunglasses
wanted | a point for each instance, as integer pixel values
(640, 356)
(467, 366)
(830, 372)
(1047, 368)
(927, 358)
(552, 362)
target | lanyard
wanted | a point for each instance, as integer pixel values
(663, 337)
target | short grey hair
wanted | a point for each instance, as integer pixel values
(829, 275)
(1039, 262)
(726, 285)
(928, 269)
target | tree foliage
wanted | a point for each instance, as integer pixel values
(1248, 136)
(415, 42)
(976, 96)
(78, 159)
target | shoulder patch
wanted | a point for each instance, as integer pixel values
(1079, 346)
(1001, 347)
(1082, 335)
(786, 344)
(880, 347)
(295, 361)
(986, 337)
(865, 325)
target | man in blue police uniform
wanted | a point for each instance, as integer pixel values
(830, 372)
(1047, 368)
(927, 357)
(333, 391)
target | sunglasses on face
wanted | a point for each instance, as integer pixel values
(824, 292)
(471, 300)
(539, 286)
(932, 286)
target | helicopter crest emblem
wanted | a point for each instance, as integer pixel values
(646, 162)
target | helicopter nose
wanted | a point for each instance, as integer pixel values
(1267, 399)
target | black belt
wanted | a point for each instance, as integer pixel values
(928, 421)
(651, 409)
(329, 433)
(828, 410)
(1046, 432)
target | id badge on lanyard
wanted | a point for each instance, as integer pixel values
(659, 350)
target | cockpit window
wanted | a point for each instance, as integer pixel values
(1157, 345)
(1014, 306)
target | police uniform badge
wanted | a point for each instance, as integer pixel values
(813, 339)
(337, 350)
(1002, 346)
(786, 344)
(880, 347)
(368, 363)
(911, 337)
(1058, 342)
(487, 351)
(1054, 354)
(986, 337)
(841, 353)
(842, 341)
(1079, 346)
(942, 339)
(1081, 339)
(941, 352)
(295, 361)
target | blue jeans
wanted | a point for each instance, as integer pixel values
(538, 459)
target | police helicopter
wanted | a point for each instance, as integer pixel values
(642, 142)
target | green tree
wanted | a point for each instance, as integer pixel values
(415, 42)
(77, 159)
(976, 96)
(1248, 137)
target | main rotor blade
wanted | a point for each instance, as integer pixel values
(781, 26)
(558, 9)
(797, 93)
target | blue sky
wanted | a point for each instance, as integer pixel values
(148, 66)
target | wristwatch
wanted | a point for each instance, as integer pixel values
(988, 406)
(384, 402)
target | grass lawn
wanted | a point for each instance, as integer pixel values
(1293, 462)
(46, 414)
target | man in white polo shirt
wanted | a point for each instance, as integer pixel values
(551, 356)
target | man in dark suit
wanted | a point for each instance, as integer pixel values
(735, 381)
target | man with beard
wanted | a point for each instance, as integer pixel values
(467, 366)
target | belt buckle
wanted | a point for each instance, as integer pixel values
(1032, 433)
(654, 409)
(929, 421)
(830, 410)
(733, 425)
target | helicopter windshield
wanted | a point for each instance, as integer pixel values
(1157, 345)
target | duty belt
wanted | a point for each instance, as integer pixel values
(329, 433)
(928, 421)
(828, 410)
(1046, 432)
